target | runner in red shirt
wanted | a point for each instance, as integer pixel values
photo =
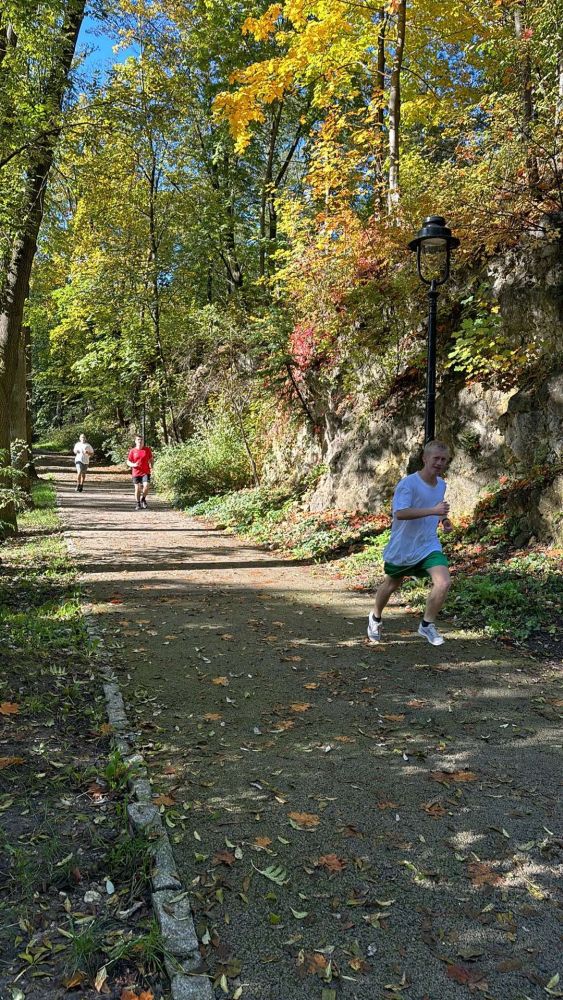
(140, 462)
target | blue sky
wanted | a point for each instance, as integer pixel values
(99, 45)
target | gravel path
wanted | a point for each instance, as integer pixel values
(407, 793)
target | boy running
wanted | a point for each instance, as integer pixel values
(140, 462)
(414, 548)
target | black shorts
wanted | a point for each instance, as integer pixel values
(141, 479)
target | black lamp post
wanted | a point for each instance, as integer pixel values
(433, 245)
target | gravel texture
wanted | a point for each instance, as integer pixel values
(422, 855)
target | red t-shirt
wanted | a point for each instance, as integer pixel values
(144, 457)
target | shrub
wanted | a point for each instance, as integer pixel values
(213, 462)
(63, 439)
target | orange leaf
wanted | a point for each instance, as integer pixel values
(106, 728)
(262, 841)
(146, 995)
(75, 980)
(9, 761)
(283, 725)
(127, 994)
(305, 821)
(164, 800)
(387, 805)
(300, 706)
(9, 708)
(331, 862)
(358, 965)
(311, 686)
(212, 716)
(394, 718)
(447, 776)
(317, 963)
(292, 659)
(416, 703)
(222, 681)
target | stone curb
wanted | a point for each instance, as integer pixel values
(170, 902)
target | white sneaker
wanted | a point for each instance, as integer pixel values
(431, 633)
(374, 629)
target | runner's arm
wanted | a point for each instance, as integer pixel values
(411, 513)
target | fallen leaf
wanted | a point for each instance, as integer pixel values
(448, 776)
(311, 686)
(224, 858)
(300, 706)
(164, 800)
(394, 718)
(465, 976)
(76, 979)
(303, 821)
(9, 708)
(384, 804)
(416, 703)
(358, 965)
(212, 716)
(292, 659)
(106, 728)
(317, 964)
(283, 725)
(434, 809)
(101, 977)
(222, 681)
(481, 873)
(331, 862)
(10, 761)
(262, 841)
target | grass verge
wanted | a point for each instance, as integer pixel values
(73, 884)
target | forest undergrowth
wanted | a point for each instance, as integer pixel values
(511, 591)
(73, 882)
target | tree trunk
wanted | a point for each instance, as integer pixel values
(525, 71)
(21, 452)
(14, 284)
(393, 193)
(379, 98)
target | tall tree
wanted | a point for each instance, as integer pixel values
(34, 168)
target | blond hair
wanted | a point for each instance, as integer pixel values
(434, 445)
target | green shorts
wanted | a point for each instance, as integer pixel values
(419, 569)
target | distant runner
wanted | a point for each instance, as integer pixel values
(140, 461)
(414, 548)
(82, 454)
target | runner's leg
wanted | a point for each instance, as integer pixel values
(389, 586)
(441, 582)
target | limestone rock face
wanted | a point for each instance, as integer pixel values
(490, 432)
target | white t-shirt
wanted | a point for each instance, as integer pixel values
(415, 539)
(82, 452)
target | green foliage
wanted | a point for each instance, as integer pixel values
(213, 461)
(63, 439)
(275, 516)
(483, 348)
(240, 509)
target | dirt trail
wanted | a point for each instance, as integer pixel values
(421, 857)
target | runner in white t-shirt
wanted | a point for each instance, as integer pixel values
(82, 454)
(414, 548)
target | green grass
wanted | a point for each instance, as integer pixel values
(55, 840)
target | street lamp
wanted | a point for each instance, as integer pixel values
(433, 245)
